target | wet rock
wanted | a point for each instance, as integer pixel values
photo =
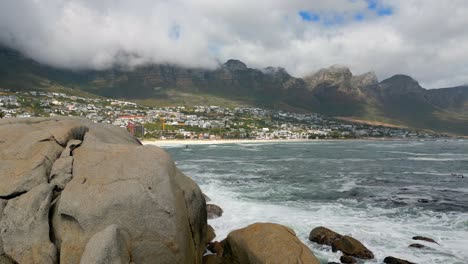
(107, 246)
(393, 260)
(266, 243)
(424, 239)
(417, 245)
(352, 247)
(24, 227)
(323, 236)
(210, 234)
(216, 247)
(213, 211)
(348, 259)
(212, 259)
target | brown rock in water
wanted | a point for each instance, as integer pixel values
(213, 211)
(323, 236)
(416, 245)
(216, 247)
(210, 234)
(424, 239)
(115, 186)
(352, 247)
(392, 260)
(266, 243)
(348, 259)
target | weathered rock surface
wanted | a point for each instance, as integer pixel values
(352, 247)
(347, 259)
(24, 227)
(323, 236)
(105, 179)
(392, 260)
(210, 234)
(61, 172)
(266, 243)
(213, 211)
(106, 247)
(424, 239)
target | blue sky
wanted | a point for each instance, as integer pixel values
(373, 9)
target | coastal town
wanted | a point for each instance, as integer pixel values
(197, 122)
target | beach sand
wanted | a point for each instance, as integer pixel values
(220, 141)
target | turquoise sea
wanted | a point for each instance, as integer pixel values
(380, 192)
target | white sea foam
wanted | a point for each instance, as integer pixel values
(384, 231)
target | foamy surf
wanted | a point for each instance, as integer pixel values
(382, 198)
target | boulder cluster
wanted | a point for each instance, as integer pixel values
(76, 192)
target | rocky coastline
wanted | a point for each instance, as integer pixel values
(78, 192)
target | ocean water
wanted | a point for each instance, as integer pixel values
(380, 192)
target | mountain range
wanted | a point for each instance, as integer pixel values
(334, 91)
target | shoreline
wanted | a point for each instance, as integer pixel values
(168, 142)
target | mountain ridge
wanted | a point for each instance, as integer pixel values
(334, 91)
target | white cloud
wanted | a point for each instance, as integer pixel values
(425, 39)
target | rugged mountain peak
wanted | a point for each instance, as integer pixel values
(334, 75)
(235, 65)
(401, 83)
(365, 80)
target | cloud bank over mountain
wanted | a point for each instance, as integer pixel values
(425, 39)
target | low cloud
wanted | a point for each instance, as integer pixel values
(425, 39)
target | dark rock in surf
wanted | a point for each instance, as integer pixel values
(417, 245)
(213, 211)
(323, 236)
(424, 239)
(348, 259)
(393, 260)
(352, 247)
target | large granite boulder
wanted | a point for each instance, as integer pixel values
(80, 191)
(107, 246)
(266, 243)
(24, 227)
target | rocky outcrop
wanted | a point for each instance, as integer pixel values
(210, 234)
(393, 260)
(347, 259)
(213, 211)
(427, 239)
(266, 243)
(107, 246)
(24, 227)
(91, 193)
(346, 244)
(323, 236)
(417, 245)
(352, 247)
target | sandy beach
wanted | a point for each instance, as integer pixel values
(220, 141)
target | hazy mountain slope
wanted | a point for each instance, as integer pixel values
(332, 91)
